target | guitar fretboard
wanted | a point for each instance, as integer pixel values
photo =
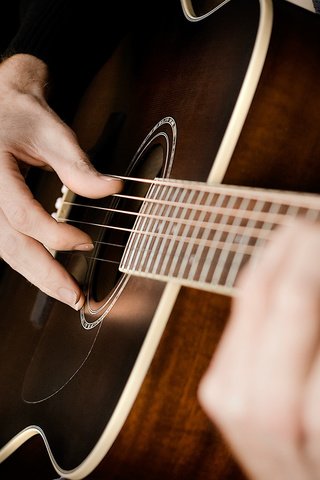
(201, 235)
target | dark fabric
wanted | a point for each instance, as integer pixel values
(10, 22)
(316, 4)
(74, 38)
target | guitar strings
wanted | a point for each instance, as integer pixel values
(279, 196)
(168, 236)
(283, 199)
(269, 219)
(232, 212)
(229, 246)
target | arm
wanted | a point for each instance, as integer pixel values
(262, 388)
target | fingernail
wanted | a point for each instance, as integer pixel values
(70, 297)
(111, 179)
(84, 246)
(79, 303)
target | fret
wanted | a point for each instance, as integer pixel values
(227, 256)
(220, 253)
(212, 251)
(168, 245)
(293, 210)
(184, 249)
(139, 240)
(195, 260)
(152, 241)
(312, 215)
(208, 232)
(153, 226)
(241, 240)
(241, 258)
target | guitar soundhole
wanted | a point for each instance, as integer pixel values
(111, 240)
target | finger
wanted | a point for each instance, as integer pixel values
(232, 365)
(34, 262)
(290, 339)
(293, 297)
(310, 417)
(27, 216)
(81, 178)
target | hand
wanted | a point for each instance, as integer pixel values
(262, 388)
(32, 133)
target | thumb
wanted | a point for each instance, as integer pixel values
(80, 176)
(74, 168)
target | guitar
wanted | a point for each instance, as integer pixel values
(112, 390)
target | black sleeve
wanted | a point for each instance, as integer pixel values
(73, 37)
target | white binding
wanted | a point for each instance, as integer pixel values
(190, 14)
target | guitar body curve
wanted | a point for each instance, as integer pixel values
(62, 381)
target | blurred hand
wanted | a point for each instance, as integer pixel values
(262, 388)
(32, 133)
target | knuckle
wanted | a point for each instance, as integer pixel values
(10, 249)
(241, 411)
(19, 217)
(45, 274)
(57, 238)
(236, 411)
(9, 245)
(62, 236)
(311, 428)
(225, 406)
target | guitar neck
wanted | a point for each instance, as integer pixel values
(201, 235)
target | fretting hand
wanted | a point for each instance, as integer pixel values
(32, 133)
(262, 388)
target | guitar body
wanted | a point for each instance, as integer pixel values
(161, 106)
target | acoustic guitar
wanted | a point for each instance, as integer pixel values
(210, 114)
